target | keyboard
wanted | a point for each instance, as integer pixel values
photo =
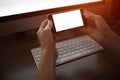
(71, 49)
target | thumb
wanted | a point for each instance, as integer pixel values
(89, 15)
(49, 25)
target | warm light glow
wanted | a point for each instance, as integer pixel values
(67, 20)
(12, 7)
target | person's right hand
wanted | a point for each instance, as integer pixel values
(99, 30)
(97, 27)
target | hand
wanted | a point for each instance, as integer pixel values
(46, 38)
(45, 35)
(97, 28)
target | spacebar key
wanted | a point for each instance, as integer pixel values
(71, 57)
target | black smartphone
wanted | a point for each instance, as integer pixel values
(67, 20)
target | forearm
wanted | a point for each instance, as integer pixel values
(106, 36)
(47, 64)
(109, 39)
(112, 44)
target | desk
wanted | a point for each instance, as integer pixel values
(16, 62)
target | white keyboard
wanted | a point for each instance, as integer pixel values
(71, 49)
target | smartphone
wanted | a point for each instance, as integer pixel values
(67, 20)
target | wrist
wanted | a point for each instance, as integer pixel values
(111, 40)
(50, 51)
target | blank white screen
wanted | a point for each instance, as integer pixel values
(67, 20)
(13, 7)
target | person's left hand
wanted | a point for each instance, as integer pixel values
(45, 35)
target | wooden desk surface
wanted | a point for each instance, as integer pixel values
(16, 62)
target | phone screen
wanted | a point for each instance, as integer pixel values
(67, 20)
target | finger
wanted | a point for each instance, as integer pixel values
(89, 15)
(89, 12)
(49, 25)
(43, 24)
